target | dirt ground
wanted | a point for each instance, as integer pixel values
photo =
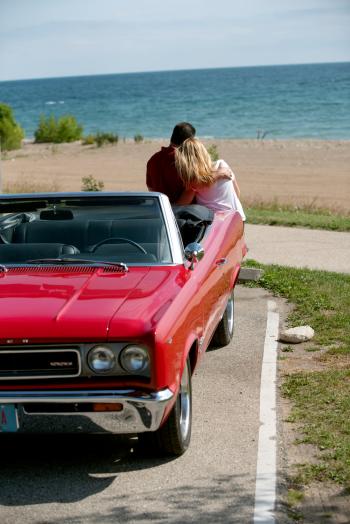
(311, 172)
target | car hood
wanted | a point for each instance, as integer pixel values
(45, 304)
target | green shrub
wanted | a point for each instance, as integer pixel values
(100, 139)
(106, 138)
(88, 140)
(46, 130)
(213, 152)
(64, 129)
(89, 183)
(138, 139)
(68, 129)
(11, 134)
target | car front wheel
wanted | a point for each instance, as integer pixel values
(173, 437)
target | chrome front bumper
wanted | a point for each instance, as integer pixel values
(141, 411)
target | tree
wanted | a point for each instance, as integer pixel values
(11, 134)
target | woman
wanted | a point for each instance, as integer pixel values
(213, 184)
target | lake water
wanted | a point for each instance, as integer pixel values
(293, 101)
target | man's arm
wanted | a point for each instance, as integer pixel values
(186, 197)
(149, 177)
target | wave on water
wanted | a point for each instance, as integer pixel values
(292, 101)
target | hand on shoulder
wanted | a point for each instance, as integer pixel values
(224, 172)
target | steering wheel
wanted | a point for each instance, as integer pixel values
(116, 240)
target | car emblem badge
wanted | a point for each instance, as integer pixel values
(61, 364)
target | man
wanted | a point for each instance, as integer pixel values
(161, 173)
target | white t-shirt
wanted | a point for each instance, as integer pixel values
(220, 196)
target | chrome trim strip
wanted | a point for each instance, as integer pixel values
(142, 411)
(42, 351)
(175, 245)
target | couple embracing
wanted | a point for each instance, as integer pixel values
(185, 172)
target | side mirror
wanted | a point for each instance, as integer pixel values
(194, 253)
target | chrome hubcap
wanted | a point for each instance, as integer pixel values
(185, 403)
(229, 313)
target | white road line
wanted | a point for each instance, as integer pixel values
(265, 488)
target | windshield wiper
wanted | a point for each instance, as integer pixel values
(69, 261)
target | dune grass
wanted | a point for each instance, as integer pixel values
(27, 186)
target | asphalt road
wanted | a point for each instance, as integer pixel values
(298, 247)
(81, 478)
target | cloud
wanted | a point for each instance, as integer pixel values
(87, 37)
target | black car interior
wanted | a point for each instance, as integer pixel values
(96, 233)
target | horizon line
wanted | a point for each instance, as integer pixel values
(85, 75)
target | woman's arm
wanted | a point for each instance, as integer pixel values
(224, 171)
(186, 197)
(228, 174)
(235, 185)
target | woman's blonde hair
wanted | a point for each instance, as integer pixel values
(193, 163)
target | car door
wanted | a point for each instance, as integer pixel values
(221, 260)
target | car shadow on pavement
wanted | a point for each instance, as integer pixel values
(66, 468)
(40, 468)
(37, 475)
(221, 500)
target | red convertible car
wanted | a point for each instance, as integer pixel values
(107, 303)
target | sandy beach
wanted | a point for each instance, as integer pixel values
(298, 172)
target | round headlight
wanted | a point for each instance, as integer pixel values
(101, 359)
(134, 359)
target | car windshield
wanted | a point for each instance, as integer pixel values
(124, 229)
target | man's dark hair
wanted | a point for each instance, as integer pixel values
(181, 132)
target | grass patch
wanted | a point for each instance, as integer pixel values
(100, 139)
(287, 349)
(88, 140)
(321, 298)
(294, 497)
(321, 400)
(322, 404)
(308, 216)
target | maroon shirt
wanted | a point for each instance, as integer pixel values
(162, 175)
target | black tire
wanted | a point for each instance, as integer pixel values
(224, 330)
(173, 437)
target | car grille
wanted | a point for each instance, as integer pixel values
(43, 363)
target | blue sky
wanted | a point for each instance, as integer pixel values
(45, 38)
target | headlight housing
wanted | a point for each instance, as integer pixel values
(134, 359)
(101, 359)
